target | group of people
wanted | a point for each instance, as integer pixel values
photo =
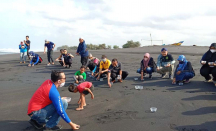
(46, 107)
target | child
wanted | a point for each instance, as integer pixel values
(23, 52)
(80, 75)
(35, 59)
(84, 89)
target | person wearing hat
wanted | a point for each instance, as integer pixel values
(165, 63)
(50, 47)
(23, 52)
(184, 71)
(92, 62)
(104, 66)
(35, 59)
(208, 64)
(82, 51)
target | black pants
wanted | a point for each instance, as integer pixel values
(91, 66)
(50, 55)
(68, 60)
(28, 53)
(205, 71)
(115, 75)
(91, 88)
(84, 60)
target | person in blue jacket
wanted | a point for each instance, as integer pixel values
(23, 52)
(35, 59)
(82, 51)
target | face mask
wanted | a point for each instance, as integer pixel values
(181, 62)
(145, 59)
(62, 84)
(212, 50)
(104, 60)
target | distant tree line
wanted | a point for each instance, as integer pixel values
(129, 44)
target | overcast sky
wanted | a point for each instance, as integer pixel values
(113, 22)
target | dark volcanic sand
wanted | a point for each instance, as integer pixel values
(191, 107)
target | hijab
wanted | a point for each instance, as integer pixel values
(183, 63)
(146, 61)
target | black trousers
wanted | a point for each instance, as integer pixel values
(84, 60)
(205, 71)
(50, 55)
(68, 60)
(115, 75)
(28, 53)
(91, 66)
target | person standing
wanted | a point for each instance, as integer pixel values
(27, 43)
(23, 51)
(46, 106)
(82, 51)
(50, 47)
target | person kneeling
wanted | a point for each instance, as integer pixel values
(147, 66)
(104, 67)
(184, 71)
(80, 75)
(84, 89)
(35, 59)
(115, 71)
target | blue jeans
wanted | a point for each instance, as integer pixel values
(148, 70)
(184, 76)
(48, 115)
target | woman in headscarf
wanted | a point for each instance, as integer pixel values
(184, 71)
(147, 66)
(208, 64)
(35, 59)
(93, 64)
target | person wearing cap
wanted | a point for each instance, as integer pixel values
(35, 59)
(50, 47)
(208, 64)
(23, 52)
(92, 62)
(46, 107)
(184, 71)
(82, 51)
(165, 63)
(104, 67)
(115, 71)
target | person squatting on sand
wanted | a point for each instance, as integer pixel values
(50, 47)
(67, 59)
(104, 67)
(82, 51)
(46, 106)
(60, 58)
(23, 52)
(35, 59)
(80, 75)
(184, 71)
(147, 65)
(92, 62)
(84, 89)
(115, 71)
(27, 43)
(165, 63)
(208, 64)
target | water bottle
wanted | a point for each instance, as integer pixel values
(181, 83)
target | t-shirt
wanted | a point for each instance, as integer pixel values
(105, 65)
(81, 87)
(45, 95)
(115, 69)
(79, 73)
(28, 42)
(49, 45)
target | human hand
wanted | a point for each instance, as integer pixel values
(158, 68)
(109, 84)
(174, 81)
(75, 126)
(77, 81)
(52, 48)
(29, 65)
(98, 78)
(92, 96)
(179, 72)
(77, 53)
(141, 78)
(44, 52)
(32, 65)
(92, 74)
(168, 65)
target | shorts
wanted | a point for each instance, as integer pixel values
(91, 88)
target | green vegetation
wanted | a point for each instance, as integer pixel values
(115, 47)
(89, 47)
(131, 44)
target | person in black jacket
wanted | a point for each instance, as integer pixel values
(184, 71)
(147, 66)
(208, 64)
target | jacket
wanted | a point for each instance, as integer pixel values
(82, 49)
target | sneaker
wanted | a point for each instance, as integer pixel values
(55, 128)
(150, 76)
(187, 81)
(163, 75)
(36, 124)
(210, 80)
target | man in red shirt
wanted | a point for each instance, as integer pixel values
(46, 106)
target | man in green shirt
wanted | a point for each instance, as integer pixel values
(80, 75)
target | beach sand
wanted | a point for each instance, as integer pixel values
(191, 107)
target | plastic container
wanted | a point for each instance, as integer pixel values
(68, 99)
(210, 63)
(136, 79)
(153, 109)
(203, 62)
(96, 61)
(119, 77)
(101, 79)
(181, 83)
(138, 87)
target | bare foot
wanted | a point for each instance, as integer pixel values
(84, 104)
(79, 109)
(24, 62)
(20, 62)
(120, 80)
(53, 63)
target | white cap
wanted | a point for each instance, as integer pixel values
(90, 55)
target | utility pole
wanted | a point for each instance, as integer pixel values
(151, 38)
